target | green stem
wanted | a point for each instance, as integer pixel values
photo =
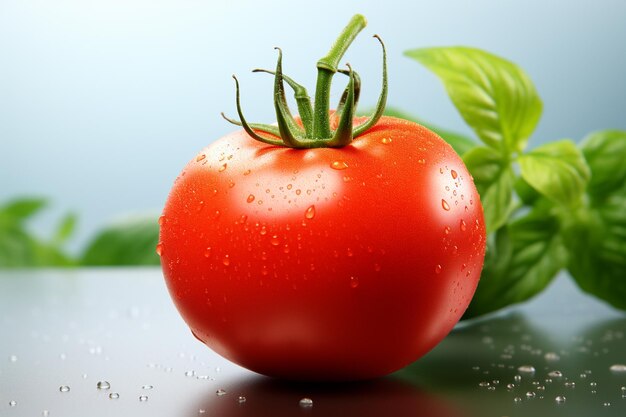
(327, 67)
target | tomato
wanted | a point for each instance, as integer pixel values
(326, 263)
(327, 247)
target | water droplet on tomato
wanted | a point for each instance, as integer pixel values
(438, 269)
(454, 174)
(445, 205)
(247, 172)
(263, 230)
(618, 368)
(64, 388)
(310, 212)
(12, 403)
(463, 225)
(421, 161)
(250, 198)
(200, 157)
(159, 248)
(298, 191)
(339, 165)
(386, 141)
(220, 392)
(446, 230)
(275, 241)
(162, 220)
(226, 260)
(114, 396)
(241, 399)
(560, 399)
(349, 252)
(143, 398)
(354, 282)
(222, 167)
(216, 215)
(377, 267)
(207, 252)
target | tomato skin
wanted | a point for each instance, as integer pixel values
(324, 264)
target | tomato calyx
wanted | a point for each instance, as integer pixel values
(314, 130)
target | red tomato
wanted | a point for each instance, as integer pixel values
(325, 263)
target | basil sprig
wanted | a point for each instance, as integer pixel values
(559, 205)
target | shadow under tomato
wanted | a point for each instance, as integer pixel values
(477, 351)
(267, 396)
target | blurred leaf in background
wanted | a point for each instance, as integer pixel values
(131, 241)
(19, 247)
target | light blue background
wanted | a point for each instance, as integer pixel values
(103, 102)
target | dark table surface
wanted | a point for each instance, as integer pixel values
(63, 331)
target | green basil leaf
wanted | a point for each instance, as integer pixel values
(129, 242)
(605, 153)
(527, 194)
(460, 143)
(597, 237)
(21, 209)
(494, 96)
(557, 170)
(19, 248)
(493, 178)
(66, 227)
(521, 260)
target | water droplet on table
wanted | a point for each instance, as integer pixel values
(103, 385)
(306, 402)
(526, 369)
(618, 368)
